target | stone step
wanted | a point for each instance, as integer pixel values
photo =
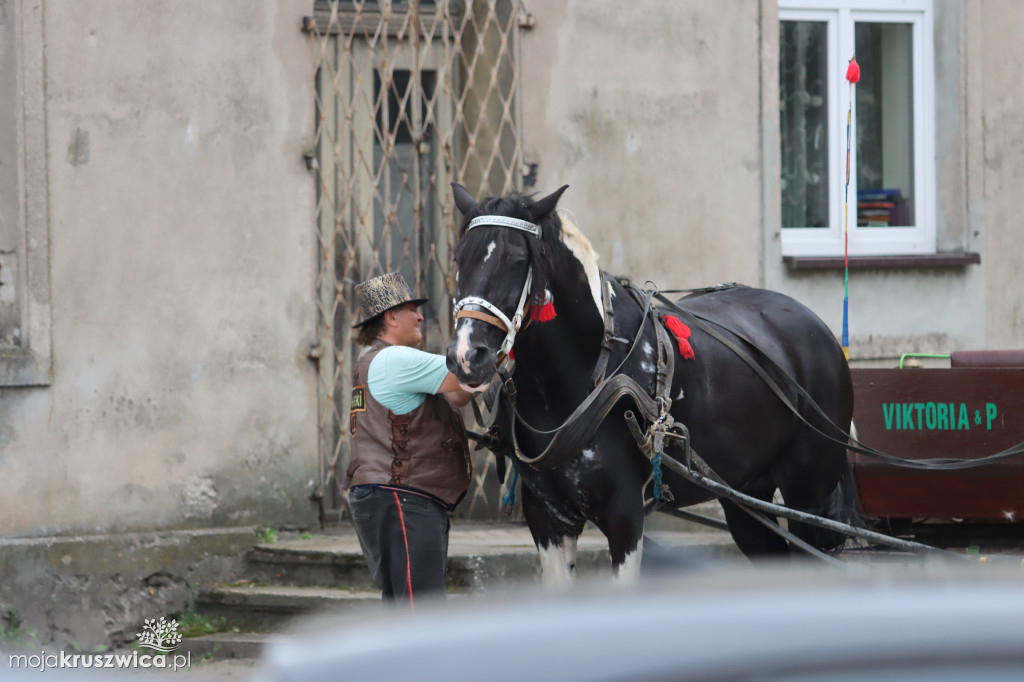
(296, 576)
(255, 607)
(225, 645)
(480, 558)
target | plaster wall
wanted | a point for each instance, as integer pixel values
(1001, 92)
(182, 245)
(664, 122)
(650, 113)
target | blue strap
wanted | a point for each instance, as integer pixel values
(509, 500)
(656, 464)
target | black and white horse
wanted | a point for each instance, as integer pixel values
(515, 253)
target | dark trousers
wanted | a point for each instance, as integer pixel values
(404, 538)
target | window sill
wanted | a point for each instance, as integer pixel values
(938, 260)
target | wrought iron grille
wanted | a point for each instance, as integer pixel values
(410, 96)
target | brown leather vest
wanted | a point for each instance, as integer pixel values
(424, 449)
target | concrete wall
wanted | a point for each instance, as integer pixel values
(182, 246)
(1001, 91)
(650, 113)
(664, 121)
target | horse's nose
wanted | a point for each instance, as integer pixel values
(469, 357)
(475, 358)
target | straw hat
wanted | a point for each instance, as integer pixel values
(380, 294)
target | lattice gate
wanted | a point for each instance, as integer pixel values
(410, 97)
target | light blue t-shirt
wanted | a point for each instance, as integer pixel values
(400, 378)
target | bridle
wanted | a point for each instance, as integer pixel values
(499, 319)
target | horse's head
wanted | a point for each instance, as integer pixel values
(502, 264)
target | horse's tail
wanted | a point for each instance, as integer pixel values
(841, 506)
(843, 503)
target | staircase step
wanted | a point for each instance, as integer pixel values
(298, 576)
(227, 645)
(267, 607)
(480, 558)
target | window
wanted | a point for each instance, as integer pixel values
(890, 201)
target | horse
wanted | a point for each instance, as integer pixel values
(514, 254)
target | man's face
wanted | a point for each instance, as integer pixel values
(406, 328)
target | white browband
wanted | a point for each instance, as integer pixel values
(505, 221)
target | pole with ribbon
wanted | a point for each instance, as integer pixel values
(852, 76)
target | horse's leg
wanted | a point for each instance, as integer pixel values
(816, 479)
(558, 563)
(622, 523)
(556, 540)
(753, 539)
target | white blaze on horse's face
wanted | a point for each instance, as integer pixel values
(462, 333)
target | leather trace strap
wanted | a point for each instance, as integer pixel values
(839, 434)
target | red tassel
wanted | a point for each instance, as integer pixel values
(853, 71)
(544, 310)
(682, 333)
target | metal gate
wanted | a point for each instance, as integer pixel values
(410, 97)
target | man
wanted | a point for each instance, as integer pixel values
(410, 457)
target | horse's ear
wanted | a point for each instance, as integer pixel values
(548, 203)
(464, 201)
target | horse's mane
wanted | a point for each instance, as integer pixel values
(580, 247)
(558, 229)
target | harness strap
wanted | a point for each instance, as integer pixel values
(942, 464)
(577, 430)
(477, 315)
(609, 332)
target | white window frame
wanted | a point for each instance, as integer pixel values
(840, 17)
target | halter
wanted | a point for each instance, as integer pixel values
(499, 319)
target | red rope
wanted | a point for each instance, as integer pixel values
(408, 559)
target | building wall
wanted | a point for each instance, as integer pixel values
(664, 121)
(182, 247)
(1001, 92)
(181, 226)
(650, 114)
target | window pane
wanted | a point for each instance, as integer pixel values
(803, 122)
(885, 125)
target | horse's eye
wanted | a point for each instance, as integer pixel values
(513, 257)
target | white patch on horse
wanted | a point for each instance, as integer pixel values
(680, 396)
(589, 453)
(462, 347)
(648, 348)
(558, 564)
(646, 366)
(490, 250)
(580, 247)
(628, 572)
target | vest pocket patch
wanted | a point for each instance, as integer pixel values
(358, 399)
(358, 405)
